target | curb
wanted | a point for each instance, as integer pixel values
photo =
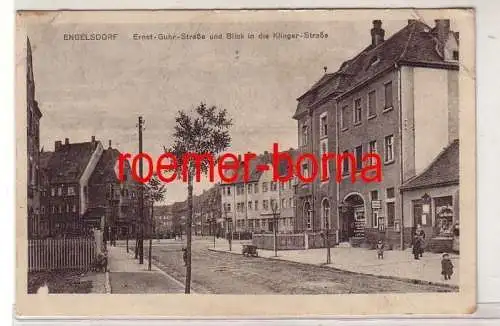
(396, 278)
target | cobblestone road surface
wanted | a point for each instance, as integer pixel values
(225, 273)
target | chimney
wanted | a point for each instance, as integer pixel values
(109, 143)
(377, 33)
(442, 30)
(93, 139)
(66, 141)
(57, 145)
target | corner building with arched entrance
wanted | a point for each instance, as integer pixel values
(398, 98)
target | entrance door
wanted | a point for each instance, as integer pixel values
(417, 218)
(347, 227)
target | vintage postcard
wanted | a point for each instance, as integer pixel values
(240, 163)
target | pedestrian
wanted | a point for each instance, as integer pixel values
(421, 234)
(380, 250)
(446, 266)
(184, 256)
(416, 247)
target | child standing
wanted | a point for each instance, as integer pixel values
(446, 267)
(380, 250)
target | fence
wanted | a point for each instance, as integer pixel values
(53, 254)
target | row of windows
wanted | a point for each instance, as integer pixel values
(372, 148)
(254, 188)
(370, 106)
(266, 204)
(70, 191)
(265, 224)
(59, 209)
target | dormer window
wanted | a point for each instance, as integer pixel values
(373, 61)
(455, 55)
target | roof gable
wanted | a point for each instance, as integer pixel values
(67, 164)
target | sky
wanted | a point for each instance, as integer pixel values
(99, 88)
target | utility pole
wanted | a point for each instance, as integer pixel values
(140, 125)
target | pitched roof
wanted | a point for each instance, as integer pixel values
(68, 163)
(443, 171)
(413, 44)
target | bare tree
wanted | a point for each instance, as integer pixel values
(204, 131)
(155, 190)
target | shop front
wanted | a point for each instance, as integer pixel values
(431, 202)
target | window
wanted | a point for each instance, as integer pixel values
(42, 209)
(240, 190)
(265, 204)
(372, 149)
(343, 115)
(282, 185)
(374, 196)
(74, 208)
(53, 192)
(60, 209)
(357, 111)
(324, 150)
(389, 149)
(359, 157)
(388, 96)
(59, 191)
(455, 55)
(274, 186)
(290, 184)
(67, 208)
(274, 205)
(345, 163)
(390, 193)
(290, 202)
(325, 213)
(256, 188)
(305, 135)
(391, 213)
(228, 191)
(323, 122)
(256, 205)
(53, 209)
(372, 110)
(264, 186)
(249, 188)
(250, 205)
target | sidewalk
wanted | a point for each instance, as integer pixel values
(396, 263)
(126, 275)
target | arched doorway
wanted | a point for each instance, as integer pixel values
(352, 217)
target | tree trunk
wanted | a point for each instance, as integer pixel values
(189, 222)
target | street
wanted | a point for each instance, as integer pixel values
(226, 273)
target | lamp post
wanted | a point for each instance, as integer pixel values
(274, 208)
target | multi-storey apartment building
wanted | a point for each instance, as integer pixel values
(33, 148)
(117, 201)
(387, 99)
(81, 187)
(253, 204)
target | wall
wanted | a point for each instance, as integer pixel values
(384, 123)
(84, 179)
(430, 92)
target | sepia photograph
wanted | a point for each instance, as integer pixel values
(256, 153)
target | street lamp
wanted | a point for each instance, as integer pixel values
(274, 208)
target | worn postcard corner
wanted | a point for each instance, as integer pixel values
(245, 163)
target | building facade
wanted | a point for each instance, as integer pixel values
(387, 99)
(254, 204)
(33, 149)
